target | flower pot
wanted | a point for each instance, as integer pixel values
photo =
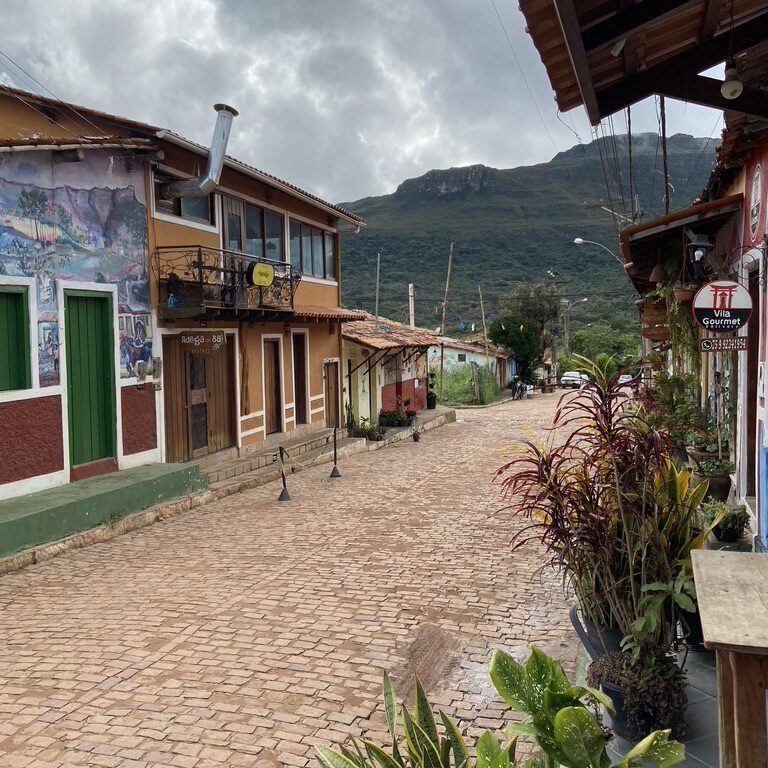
(431, 400)
(597, 641)
(416, 437)
(691, 623)
(619, 720)
(719, 485)
(728, 532)
(683, 294)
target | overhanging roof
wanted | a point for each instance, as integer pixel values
(642, 244)
(609, 54)
(387, 334)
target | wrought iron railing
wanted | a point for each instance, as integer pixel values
(193, 279)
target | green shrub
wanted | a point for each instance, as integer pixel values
(457, 385)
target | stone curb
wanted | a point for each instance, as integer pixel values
(168, 509)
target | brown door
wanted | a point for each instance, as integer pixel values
(273, 401)
(199, 401)
(332, 394)
(300, 377)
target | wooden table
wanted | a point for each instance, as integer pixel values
(732, 593)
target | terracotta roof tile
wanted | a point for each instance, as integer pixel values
(389, 335)
(313, 312)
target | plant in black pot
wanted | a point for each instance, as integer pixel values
(729, 523)
(718, 473)
(616, 517)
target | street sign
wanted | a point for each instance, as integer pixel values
(202, 342)
(722, 306)
(737, 344)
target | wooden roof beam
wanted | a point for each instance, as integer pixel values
(682, 68)
(706, 91)
(627, 21)
(571, 29)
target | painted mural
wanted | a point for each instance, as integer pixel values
(83, 221)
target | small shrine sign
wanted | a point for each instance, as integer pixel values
(202, 342)
(722, 306)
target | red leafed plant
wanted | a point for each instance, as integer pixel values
(611, 508)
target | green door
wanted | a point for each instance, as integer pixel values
(90, 376)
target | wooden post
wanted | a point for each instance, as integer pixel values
(447, 281)
(485, 330)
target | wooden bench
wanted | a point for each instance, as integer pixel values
(732, 594)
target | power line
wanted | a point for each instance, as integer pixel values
(522, 73)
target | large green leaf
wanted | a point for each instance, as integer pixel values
(654, 749)
(488, 750)
(459, 747)
(330, 759)
(380, 756)
(424, 752)
(511, 682)
(422, 713)
(580, 738)
(390, 703)
(580, 691)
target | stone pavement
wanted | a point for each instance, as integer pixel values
(243, 632)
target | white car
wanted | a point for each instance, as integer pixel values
(573, 379)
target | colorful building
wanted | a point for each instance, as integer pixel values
(159, 300)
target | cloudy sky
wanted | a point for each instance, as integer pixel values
(345, 98)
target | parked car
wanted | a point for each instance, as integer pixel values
(573, 379)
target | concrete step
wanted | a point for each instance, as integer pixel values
(37, 518)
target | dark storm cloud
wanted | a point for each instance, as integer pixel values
(345, 98)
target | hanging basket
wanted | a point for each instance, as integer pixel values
(683, 295)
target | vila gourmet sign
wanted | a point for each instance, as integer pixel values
(736, 344)
(722, 306)
(202, 342)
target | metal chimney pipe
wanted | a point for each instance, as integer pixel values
(200, 186)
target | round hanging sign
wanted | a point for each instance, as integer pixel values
(262, 275)
(722, 306)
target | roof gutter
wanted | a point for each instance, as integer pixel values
(200, 186)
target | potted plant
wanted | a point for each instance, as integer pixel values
(616, 516)
(399, 416)
(683, 292)
(718, 473)
(729, 523)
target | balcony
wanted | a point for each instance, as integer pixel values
(200, 282)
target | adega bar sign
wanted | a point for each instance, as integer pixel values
(722, 306)
(202, 342)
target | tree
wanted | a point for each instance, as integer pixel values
(602, 338)
(522, 338)
(33, 204)
(538, 303)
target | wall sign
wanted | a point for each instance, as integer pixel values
(259, 274)
(722, 306)
(755, 203)
(736, 344)
(202, 342)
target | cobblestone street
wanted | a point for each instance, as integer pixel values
(243, 632)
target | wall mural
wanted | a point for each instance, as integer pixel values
(81, 221)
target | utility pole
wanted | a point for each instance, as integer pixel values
(378, 270)
(411, 306)
(485, 330)
(442, 322)
(663, 110)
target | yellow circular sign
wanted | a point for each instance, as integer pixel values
(261, 275)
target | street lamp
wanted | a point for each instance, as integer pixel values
(582, 241)
(567, 307)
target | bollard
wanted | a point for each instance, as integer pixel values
(335, 471)
(284, 495)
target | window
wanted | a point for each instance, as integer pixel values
(259, 230)
(462, 357)
(312, 250)
(198, 209)
(14, 339)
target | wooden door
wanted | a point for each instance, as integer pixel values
(300, 378)
(90, 359)
(199, 401)
(273, 400)
(331, 394)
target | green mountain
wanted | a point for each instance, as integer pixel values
(516, 225)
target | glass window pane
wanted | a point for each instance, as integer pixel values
(330, 261)
(196, 208)
(273, 225)
(296, 245)
(317, 253)
(306, 249)
(233, 232)
(254, 233)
